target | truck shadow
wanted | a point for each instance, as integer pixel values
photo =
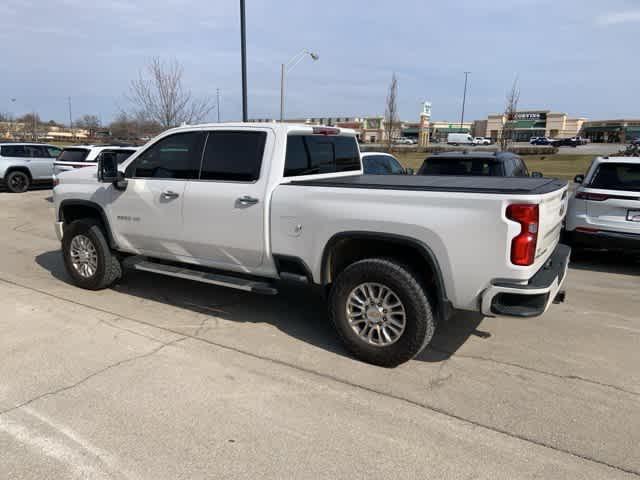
(296, 311)
(605, 261)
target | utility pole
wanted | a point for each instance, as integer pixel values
(218, 103)
(70, 118)
(464, 97)
(243, 48)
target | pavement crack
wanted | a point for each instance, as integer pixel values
(337, 379)
(85, 379)
(535, 370)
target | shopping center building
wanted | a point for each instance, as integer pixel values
(611, 131)
(534, 123)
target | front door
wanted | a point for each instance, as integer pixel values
(224, 210)
(146, 217)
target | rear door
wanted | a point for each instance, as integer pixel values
(224, 209)
(612, 197)
(147, 215)
(40, 163)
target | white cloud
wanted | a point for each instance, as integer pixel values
(619, 17)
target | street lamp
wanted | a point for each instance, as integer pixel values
(286, 68)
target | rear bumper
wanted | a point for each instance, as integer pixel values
(531, 299)
(606, 239)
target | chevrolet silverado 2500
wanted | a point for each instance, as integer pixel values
(248, 205)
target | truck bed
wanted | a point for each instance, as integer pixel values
(442, 183)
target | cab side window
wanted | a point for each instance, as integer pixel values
(176, 157)
(233, 156)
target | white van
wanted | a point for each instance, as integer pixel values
(459, 139)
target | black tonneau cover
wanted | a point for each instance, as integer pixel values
(441, 183)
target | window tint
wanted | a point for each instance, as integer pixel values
(312, 154)
(617, 176)
(121, 155)
(73, 155)
(381, 165)
(53, 151)
(13, 151)
(35, 151)
(460, 166)
(176, 156)
(234, 156)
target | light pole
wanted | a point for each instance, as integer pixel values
(286, 68)
(243, 50)
(464, 97)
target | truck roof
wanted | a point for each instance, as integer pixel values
(284, 128)
(617, 159)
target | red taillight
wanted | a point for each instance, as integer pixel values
(326, 131)
(596, 197)
(523, 246)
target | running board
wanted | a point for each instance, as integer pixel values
(238, 283)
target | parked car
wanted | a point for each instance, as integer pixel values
(604, 211)
(378, 163)
(81, 156)
(459, 139)
(544, 141)
(635, 141)
(485, 164)
(245, 205)
(481, 141)
(404, 141)
(533, 140)
(26, 164)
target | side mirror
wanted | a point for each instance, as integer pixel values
(409, 171)
(537, 175)
(578, 178)
(108, 171)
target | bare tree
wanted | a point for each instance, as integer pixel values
(88, 122)
(510, 109)
(158, 95)
(391, 111)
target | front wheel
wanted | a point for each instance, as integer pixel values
(87, 256)
(381, 312)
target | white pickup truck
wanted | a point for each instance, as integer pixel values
(249, 205)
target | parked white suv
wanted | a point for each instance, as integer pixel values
(25, 164)
(81, 156)
(604, 211)
(247, 205)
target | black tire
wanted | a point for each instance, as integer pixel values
(18, 181)
(420, 324)
(108, 266)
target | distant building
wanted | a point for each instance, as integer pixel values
(534, 123)
(611, 131)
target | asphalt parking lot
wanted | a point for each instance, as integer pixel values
(161, 378)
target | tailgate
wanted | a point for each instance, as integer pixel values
(553, 209)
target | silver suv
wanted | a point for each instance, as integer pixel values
(25, 164)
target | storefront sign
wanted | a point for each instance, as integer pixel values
(531, 116)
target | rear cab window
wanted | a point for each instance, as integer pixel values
(617, 176)
(73, 155)
(317, 154)
(461, 166)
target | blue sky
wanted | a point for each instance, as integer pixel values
(579, 57)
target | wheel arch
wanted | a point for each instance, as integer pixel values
(18, 168)
(344, 248)
(71, 210)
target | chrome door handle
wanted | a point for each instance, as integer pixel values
(246, 200)
(169, 195)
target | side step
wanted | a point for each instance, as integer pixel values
(238, 283)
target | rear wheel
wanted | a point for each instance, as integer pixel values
(87, 257)
(18, 181)
(381, 312)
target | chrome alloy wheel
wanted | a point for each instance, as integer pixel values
(84, 256)
(376, 314)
